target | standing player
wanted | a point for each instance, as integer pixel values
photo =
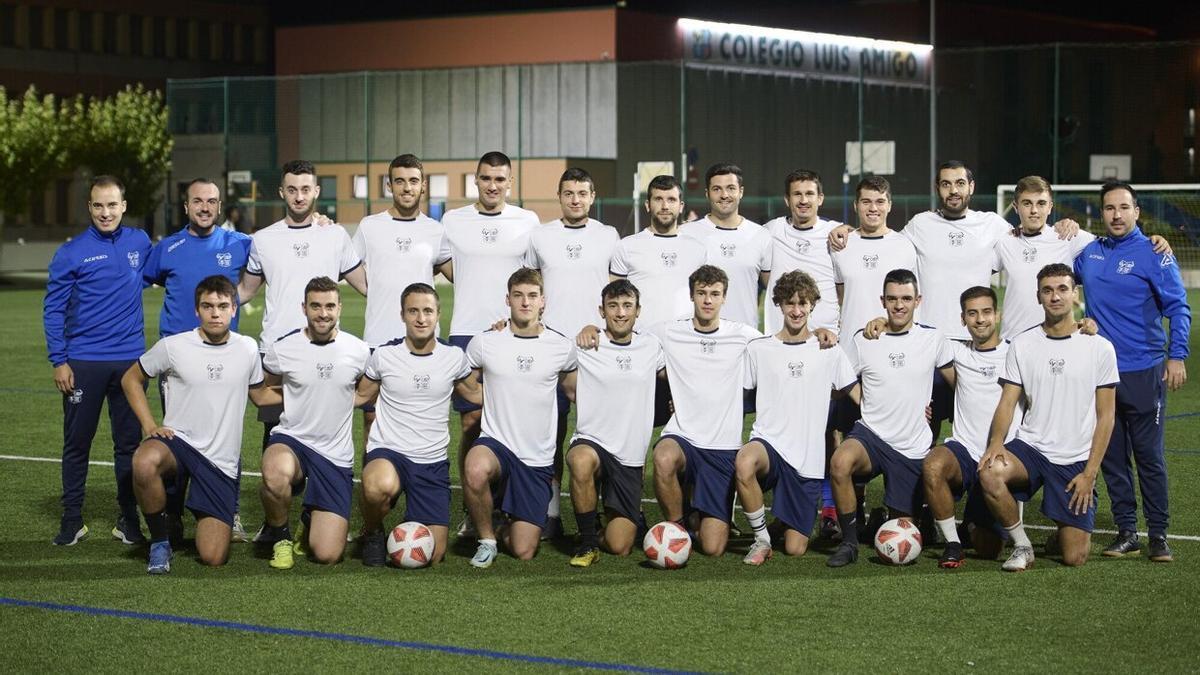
(572, 254)
(92, 318)
(1068, 381)
(311, 450)
(800, 242)
(705, 357)
(793, 376)
(206, 372)
(892, 438)
(1130, 289)
(407, 447)
(614, 392)
(740, 247)
(521, 366)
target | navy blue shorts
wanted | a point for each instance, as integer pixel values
(845, 413)
(326, 486)
(426, 487)
(368, 407)
(796, 498)
(712, 477)
(462, 405)
(210, 493)
(523, 491)
(620, 485)
(903, 487)
(1056, 501)
(976, 510)
(941, 399)
(662, 402)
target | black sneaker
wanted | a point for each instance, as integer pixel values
(1126, 543)
(374, 550)
(128, 531)
(952, 556)
(70, 534)
(1159, 551)
(845, 554)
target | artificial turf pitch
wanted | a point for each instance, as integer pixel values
(99, 611)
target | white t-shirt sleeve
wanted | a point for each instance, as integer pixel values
(1080, 242)
(945, 354)
(1106, 368)
(475, 352)
(350, 258)
(463, 369)
(843, 371)
(619, 265)
(444, 251)
(764, 258)
(360, 240)
(156, 360)
(256, 370)
(750, 375)
(254, 263)
(270, 360)
(372, 371)
(572, 358)
(997, 259)
(1012, 369)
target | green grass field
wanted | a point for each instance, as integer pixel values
(714, 615)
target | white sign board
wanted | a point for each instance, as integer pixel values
(875, 157)
(239, 177)
(1110, 167)
(646, 171)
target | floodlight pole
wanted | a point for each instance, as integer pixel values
(932, 101)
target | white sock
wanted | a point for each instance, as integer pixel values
(554, 509)
(949, 529)
(489, 541)
(1017, 532)
(758, 523)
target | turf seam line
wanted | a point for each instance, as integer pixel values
(337, 637)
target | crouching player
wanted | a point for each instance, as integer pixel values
(207, 373)
(1068, 380)
(311, 450)
(793, 376)
(614, 396)
(412, 378)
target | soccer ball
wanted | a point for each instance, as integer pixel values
(667, 546)
(898, 542)
(410, 545)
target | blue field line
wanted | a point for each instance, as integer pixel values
(1182, 415)
(338, 637)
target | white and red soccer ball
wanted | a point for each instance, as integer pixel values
(667, 545)
(898, 541)
(410, 545)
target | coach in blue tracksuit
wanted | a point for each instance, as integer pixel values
(92, 319)
(1130, 288)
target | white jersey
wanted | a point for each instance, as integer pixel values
(896, 372)
(520, 389)
(806, 250)
(487, 249)
(412, 415)
(976, 393)
(1060, 377)
(1022, 257)
(614, 395)
(205, 391)
(706, 371)
(952, 256)
(659, 265)
(742, 252)
(860, 268)
(794, 380)
(397, 252)
(318, 390)
(574, 263)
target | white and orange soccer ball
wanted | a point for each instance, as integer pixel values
(410, 545)
(667, 545)
(898, 541)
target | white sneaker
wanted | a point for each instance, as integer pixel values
(1020, 560)
(467, 529)
(239, 533)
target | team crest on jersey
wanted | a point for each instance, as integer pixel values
(896, 359)
(708, 346)
(796, 369)
(803, 245)
(300, 249)
(420, 382)
(403, 244)
(489, 234)
(134, 257)
(870, 262)
(1124, 266)
(956, 238)
(728, 250)
(574, 251)
(76, 397)
(1056, 366)
(987, 371)
(1029, 255)
(668, 258)
(214, 371)
(224, 259)
(524, 364)
(325, 370)
(624, 362)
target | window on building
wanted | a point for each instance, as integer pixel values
(62, 29)
(37, 27)
(86, 32)
(137, 46)
(328, 186)
(360, 187)
(109, 34)
(158, 37)
(8, 26)
(247, 42)
(203, 40)
(228, 42)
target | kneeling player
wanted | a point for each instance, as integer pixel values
(1068, 380)
(614, 397)
(407, 445)
(207, 372)
(521, 365)
(786, 453)
(311, 450)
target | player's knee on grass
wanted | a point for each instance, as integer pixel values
(1076, 545)
(212, 541)
(619, 535)
(523, 540)
(794, 543)
(714, 536)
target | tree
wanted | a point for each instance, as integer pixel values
(33, 148)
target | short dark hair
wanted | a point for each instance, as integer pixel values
(406, 161)
(217, 283)
(105, 180)
(800, 176)
(707, 275)
(1055, 270)
(901, 276)
(494, 158)
(321, 285)
(795, 283)
(1112, 185)
(187, 189)
(420, 288)
(876, 183)
(664, 183)
(977, 292)
(615, 289)
(577, 175)
(526, 275)
(953, 164)
(297, 167)
(722, 169)
(1033, 185)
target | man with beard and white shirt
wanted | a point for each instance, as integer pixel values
(800, 242)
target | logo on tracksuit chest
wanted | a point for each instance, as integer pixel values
(224, 259)
(134, 257)
(1124, 266)
(214, 371)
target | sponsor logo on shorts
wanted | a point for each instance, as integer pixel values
(214, 371)
(300, 249)
(325, 371)
(524, 364)
(574, 251)
(1057, 365)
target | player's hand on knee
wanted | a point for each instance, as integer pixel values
(1081, 487)
(588, 338)
(825, 337)
(874, 328)
(161, 432)
(64, 378)
(994, 453)
(1066, 228)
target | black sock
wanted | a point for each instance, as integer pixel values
(160, 526)
(277, 532)
(849, 524)
(587, 529)
(306, 517)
